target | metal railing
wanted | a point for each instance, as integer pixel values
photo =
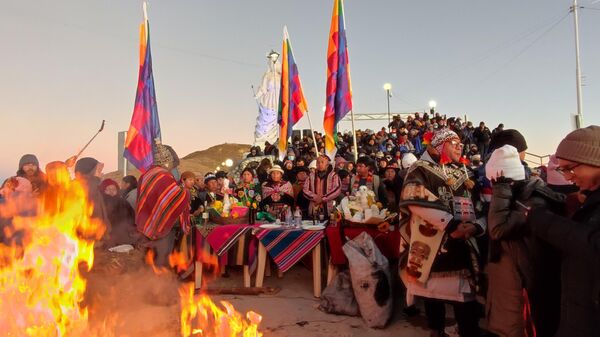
(537, 160)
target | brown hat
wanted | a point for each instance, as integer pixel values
(581, 146)
(187, 174)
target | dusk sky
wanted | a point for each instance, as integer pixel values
(67, 65)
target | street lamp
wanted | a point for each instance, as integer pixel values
(432, 106)
(388, 87)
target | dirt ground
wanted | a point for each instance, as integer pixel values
(126, 294)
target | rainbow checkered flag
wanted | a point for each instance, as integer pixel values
(339, 90)
(145, 126)
(292, 104)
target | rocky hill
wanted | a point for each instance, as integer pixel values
(201, 161)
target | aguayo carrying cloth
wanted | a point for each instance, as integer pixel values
(161, 203)
(436, 199)
(222, 237)
(233, 244)
(287, 247)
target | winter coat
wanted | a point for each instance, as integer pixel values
(131, 197)
(520, 261)
(96, 200)
(122, 219)
(482, 136)
(389, 193)
(578, 240)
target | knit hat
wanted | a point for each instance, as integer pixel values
(108, 182)
(508, 137)
(313, 165)
(581, 146)
(340, 160)
(86, 165)
(442, 136)
(407, 160)
(505, 162)
(187, 175)
(28, 159)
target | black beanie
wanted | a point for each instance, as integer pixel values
(86, 165)
(508, 137)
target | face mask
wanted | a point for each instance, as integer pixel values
(291, 157)
(389, 148)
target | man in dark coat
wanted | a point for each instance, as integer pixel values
(482, 136)
(577, 238)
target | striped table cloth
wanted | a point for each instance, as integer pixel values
(288, 246)
(231, 243)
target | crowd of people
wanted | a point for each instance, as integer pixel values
(477, 220)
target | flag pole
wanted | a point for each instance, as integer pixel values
(354, 137)
(145, 8)
(312, 132)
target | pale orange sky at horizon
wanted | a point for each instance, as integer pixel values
(70, 64)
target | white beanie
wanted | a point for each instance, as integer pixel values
(407, 160)
(312, 165)
(505, 162)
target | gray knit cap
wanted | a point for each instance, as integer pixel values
(581, 146)
(28, 159)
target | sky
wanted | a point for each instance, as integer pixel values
(66, 65)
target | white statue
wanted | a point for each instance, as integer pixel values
(226, 202)
(267, 98)
(362, 195)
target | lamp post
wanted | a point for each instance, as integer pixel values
(579, 116)
(432, 106)
(388, 87)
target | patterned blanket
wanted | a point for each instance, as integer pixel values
(287, 247)
(161, 203)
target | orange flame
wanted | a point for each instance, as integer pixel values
(41, 287)
(200, 316)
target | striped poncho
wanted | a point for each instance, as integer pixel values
(161, 203)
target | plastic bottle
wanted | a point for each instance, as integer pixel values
(205, 214)
(288, 217)
(297, 217)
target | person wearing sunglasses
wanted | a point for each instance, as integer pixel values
(577, 237)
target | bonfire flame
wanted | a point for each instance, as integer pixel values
(200, 316)
(41, 287)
